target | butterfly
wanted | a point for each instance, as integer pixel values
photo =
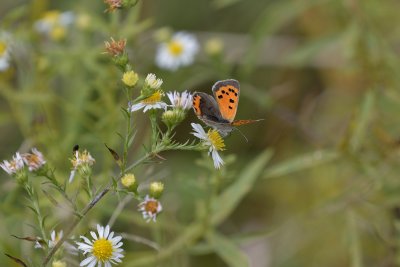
(219, 111)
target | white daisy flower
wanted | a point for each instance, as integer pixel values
(181, 100)
(14, 165)
(54, 24)
(104, 249)
(179, 51)
(152, 102)
(4, 51)
(80, 160)
(152, 81)
(150, 208)
(34, 160)
(55, 238)
(213, 140)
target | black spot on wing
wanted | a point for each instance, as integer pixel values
(231, 100)
(230, 107)
(220, 96)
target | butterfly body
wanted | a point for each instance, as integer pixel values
(219, 111)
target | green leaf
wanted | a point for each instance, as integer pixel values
(223, 205)
(300, 163)
(362, 121)
(227, 250)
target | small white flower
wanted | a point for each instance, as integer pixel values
(14, 165)
(55, 238)
(181, 100)
(150, 208)
(152, 102)
(179, 51)
(213, 140)
(103, 249)
(152, 81)
(34, 160)
(4, 51)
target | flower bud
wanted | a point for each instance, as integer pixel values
(129, 181)
(59, 264)
(130, 78)
(173, 117)
(213, 46)
(156, 189)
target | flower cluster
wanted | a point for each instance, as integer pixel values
(34, 161)
(54, 24)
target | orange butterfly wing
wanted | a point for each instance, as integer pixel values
(226, 93)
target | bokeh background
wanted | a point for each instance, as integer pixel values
(324, 74)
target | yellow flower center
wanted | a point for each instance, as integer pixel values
(154, 98)
(175, 48)
(102, 249)
(151, 206)
(216, 139)
(3, 48)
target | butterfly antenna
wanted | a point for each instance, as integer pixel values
(245, 138)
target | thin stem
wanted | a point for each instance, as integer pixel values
(35, 202)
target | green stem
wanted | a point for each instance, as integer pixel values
(35, 205)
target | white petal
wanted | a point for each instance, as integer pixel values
(137, 107)
(106, 231)
(100, 230)
(93, 234)
(88, 260)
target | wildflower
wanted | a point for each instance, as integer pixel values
(152, 81)
(115, 48)
(81, 161)
(4, 52)
(113, 5)
(179, 51)
(150, 208)
(58, 264)
(13, 166)
(213, 46)
(213, 140)
(151, 102)
(182, 101)
(103, 249)
(34, 160)
(156, 189)
(55, 238)
(54, 24)
(129, 181)
(130, 78)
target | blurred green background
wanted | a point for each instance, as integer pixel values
(323, 74)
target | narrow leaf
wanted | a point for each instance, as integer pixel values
(223, 206)
(20, 262)
(362, 121)
(227, 250)
(301, 163)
